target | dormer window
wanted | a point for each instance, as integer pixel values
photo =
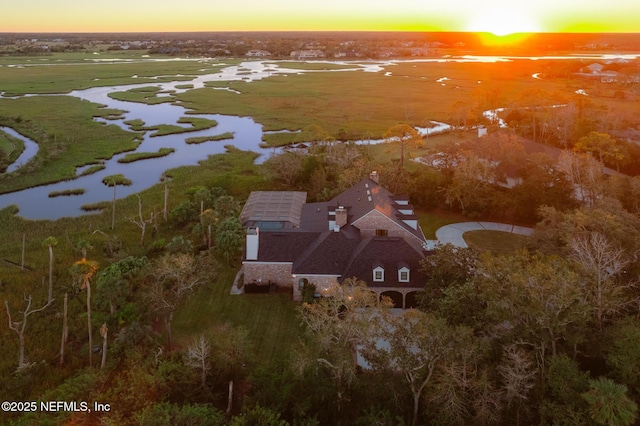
(403, 275)
(378, 274)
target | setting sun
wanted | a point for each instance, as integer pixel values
(503, 22)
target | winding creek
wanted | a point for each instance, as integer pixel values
(34, 203)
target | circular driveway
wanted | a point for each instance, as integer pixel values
(452, 234)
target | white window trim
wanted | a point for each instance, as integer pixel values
(378, 269)
(400, 271)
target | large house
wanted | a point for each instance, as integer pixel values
(365, 232)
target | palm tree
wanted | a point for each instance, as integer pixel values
(86, 269)
(115, 180)
(609, 404)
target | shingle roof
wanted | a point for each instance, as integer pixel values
(390, 253)
(284, 246)
(329, 253)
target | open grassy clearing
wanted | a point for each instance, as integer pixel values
(497, 242)
(431, 221)
(269, 318)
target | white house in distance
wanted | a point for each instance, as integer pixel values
(365, 232)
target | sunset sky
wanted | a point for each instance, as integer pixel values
(500, 17)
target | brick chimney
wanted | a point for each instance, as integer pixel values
(341, 217)
(374, 176)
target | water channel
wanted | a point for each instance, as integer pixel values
(35, 203)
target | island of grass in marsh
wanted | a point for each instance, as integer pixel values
(202, 139)
(67, 136)
(497, 242)
(137, 156)
(150, 95)
(67, 192)
(197, 124)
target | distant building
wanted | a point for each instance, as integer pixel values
(256, 53)
(365, 232)
(307, 54)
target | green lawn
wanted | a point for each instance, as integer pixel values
(497, 242)
(269, 318)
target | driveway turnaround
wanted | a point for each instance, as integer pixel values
(452, 234)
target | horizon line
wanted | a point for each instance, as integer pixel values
(322, 31)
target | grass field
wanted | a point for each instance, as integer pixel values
(63, 72)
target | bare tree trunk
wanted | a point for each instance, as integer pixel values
(65, 329)
(230, 401)
(209, 237)
(24, 241)
(167, 324)
(88, 284)
(20, 327)
(103, 332)
(50, 273)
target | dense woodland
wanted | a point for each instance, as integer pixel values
(134, 310)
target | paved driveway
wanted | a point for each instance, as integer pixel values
(453, 233)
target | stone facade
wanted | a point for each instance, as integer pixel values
(268, 273)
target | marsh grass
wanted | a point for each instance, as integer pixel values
(67, 192)
(11, 147)
(311, 65)
(279, 139)
(22, 75)
(93, 169)
(197, 124)
(67, 138)
(145, 95)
